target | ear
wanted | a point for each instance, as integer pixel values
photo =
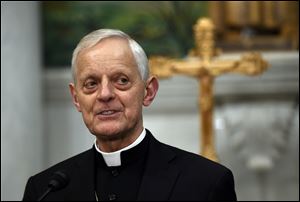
(74, 96)
(150, 91)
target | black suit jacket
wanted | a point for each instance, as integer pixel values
(170, 174)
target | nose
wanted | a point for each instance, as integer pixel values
(106, 92)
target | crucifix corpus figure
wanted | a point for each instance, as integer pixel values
(205, 68)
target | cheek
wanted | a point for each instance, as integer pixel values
(133, 102)
(86, 105)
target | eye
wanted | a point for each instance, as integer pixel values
(122, 80)
(90, 84)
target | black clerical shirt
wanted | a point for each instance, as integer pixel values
(122, 182)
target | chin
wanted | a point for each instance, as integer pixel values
(109, 133)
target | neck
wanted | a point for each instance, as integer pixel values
(112, 145)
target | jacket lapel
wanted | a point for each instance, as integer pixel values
(159, 176)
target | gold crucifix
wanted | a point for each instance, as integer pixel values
(205, 68)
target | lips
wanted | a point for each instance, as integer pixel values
(108, 114)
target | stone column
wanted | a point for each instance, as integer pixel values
(21, 101)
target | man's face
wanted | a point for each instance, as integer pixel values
(109, 91)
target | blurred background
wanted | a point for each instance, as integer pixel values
(256, 119)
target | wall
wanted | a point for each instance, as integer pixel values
(21, 97)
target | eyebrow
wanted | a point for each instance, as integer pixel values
(94, 75)
(88, 75)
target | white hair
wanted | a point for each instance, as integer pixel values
(94, 37)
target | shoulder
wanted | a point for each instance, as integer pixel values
(66, 165)
(38, 183)
(198, 177)
(194, 162)
(193, 167)
(203, 177)
(184, 159)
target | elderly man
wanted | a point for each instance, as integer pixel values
(111, 86)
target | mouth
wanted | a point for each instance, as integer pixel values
(108, 114)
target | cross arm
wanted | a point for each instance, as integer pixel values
(165, 67)
(250, 64)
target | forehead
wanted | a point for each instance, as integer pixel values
(109, 53)
(109, 48)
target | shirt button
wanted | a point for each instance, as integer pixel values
(112, 197)
(114, 173)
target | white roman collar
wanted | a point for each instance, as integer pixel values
(114, 158)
